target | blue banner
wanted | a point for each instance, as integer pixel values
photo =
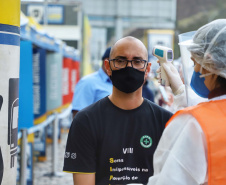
(26, 116)
(39, 81)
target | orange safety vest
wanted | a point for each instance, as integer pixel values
(212, 119)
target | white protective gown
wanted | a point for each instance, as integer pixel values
(187, 98)
(181, 155)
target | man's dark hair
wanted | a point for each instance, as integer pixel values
(106, 53)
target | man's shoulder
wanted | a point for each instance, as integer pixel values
(93, 108)
(156, 107)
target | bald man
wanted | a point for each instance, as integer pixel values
(113, 140)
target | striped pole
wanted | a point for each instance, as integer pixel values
(9, 97)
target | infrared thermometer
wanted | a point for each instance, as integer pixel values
(164, 54)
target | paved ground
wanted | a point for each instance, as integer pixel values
(42, 170)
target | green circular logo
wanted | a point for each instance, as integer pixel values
(146, 141)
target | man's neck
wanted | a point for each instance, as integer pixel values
(126, 101)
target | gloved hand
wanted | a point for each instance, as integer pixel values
(175, 81)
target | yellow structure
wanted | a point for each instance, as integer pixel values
(87, 68)
(10, 12)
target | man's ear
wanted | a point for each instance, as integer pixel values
(107, 67)
(147, 69)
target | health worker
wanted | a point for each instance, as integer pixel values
(192, 149)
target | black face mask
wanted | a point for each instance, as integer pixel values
(127, 79)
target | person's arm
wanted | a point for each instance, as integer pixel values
(180, 157)
(183, 96)
(80, 152)
(84, 179)
(175, 81)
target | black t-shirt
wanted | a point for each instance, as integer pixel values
(118, 145)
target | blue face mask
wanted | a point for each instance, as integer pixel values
(197, 84)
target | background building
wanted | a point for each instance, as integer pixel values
(109, 20)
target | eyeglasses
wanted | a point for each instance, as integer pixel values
(122, 63)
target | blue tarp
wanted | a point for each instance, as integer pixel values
(26, 116)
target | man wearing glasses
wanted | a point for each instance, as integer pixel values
(113, 140)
